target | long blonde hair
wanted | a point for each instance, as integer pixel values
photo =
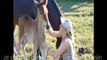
(71, 35)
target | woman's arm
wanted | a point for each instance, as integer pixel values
(51, 31)
(64, 45)
(54, 33)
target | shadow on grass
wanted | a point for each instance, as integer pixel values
(66, 5)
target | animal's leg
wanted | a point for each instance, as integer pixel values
(21, 33)
(42, 50)
(16, 50)
(38, 53)
(15, 46)
(23, 47)
(35, 53)
(18, 47)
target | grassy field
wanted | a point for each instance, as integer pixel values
(81, 13)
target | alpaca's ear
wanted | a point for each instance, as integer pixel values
(41, 3)
(36, 2)
(46, 2)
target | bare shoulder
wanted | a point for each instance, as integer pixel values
(66, 41)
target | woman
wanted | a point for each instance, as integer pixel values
(66, 48)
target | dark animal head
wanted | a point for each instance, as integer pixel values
(83, 51)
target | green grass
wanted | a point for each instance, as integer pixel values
(81, 13)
